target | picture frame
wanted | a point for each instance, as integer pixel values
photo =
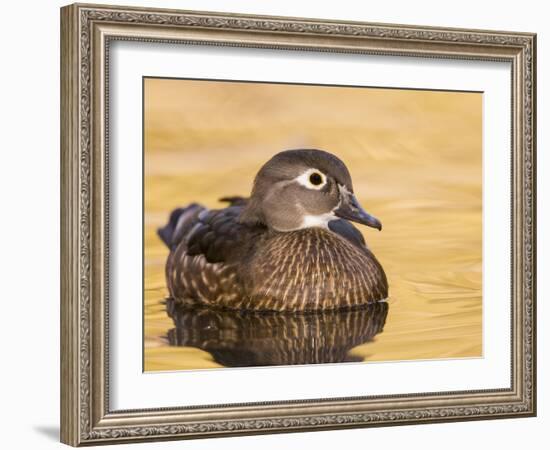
(87, 32)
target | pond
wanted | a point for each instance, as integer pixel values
(416, 162)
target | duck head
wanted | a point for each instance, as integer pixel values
(304, 188)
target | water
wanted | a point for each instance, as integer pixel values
(245, 338)
(415, 159)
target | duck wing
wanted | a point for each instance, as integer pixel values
(204, 231)
(207, 251)
(180, 222)
(220, 237)
(346, 229)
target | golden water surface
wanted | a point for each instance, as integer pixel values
(415, 159)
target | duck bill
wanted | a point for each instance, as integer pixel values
(350, 209)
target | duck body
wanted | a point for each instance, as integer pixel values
(291, 246)
(217, 261)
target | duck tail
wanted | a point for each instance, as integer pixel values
(181, 220)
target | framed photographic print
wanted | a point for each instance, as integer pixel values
(277, 224)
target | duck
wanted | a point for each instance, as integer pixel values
(290, 246)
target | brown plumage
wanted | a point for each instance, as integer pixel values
(249, 257)
(240, 339)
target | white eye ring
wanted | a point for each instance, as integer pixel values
(305, 179)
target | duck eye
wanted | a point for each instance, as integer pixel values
(315, 179)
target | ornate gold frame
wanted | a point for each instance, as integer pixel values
(86, 31)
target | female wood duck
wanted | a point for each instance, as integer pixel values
(289, 247)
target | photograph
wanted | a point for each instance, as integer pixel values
(293, 224)
(290, 223)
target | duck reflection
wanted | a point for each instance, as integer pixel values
(243, 339)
